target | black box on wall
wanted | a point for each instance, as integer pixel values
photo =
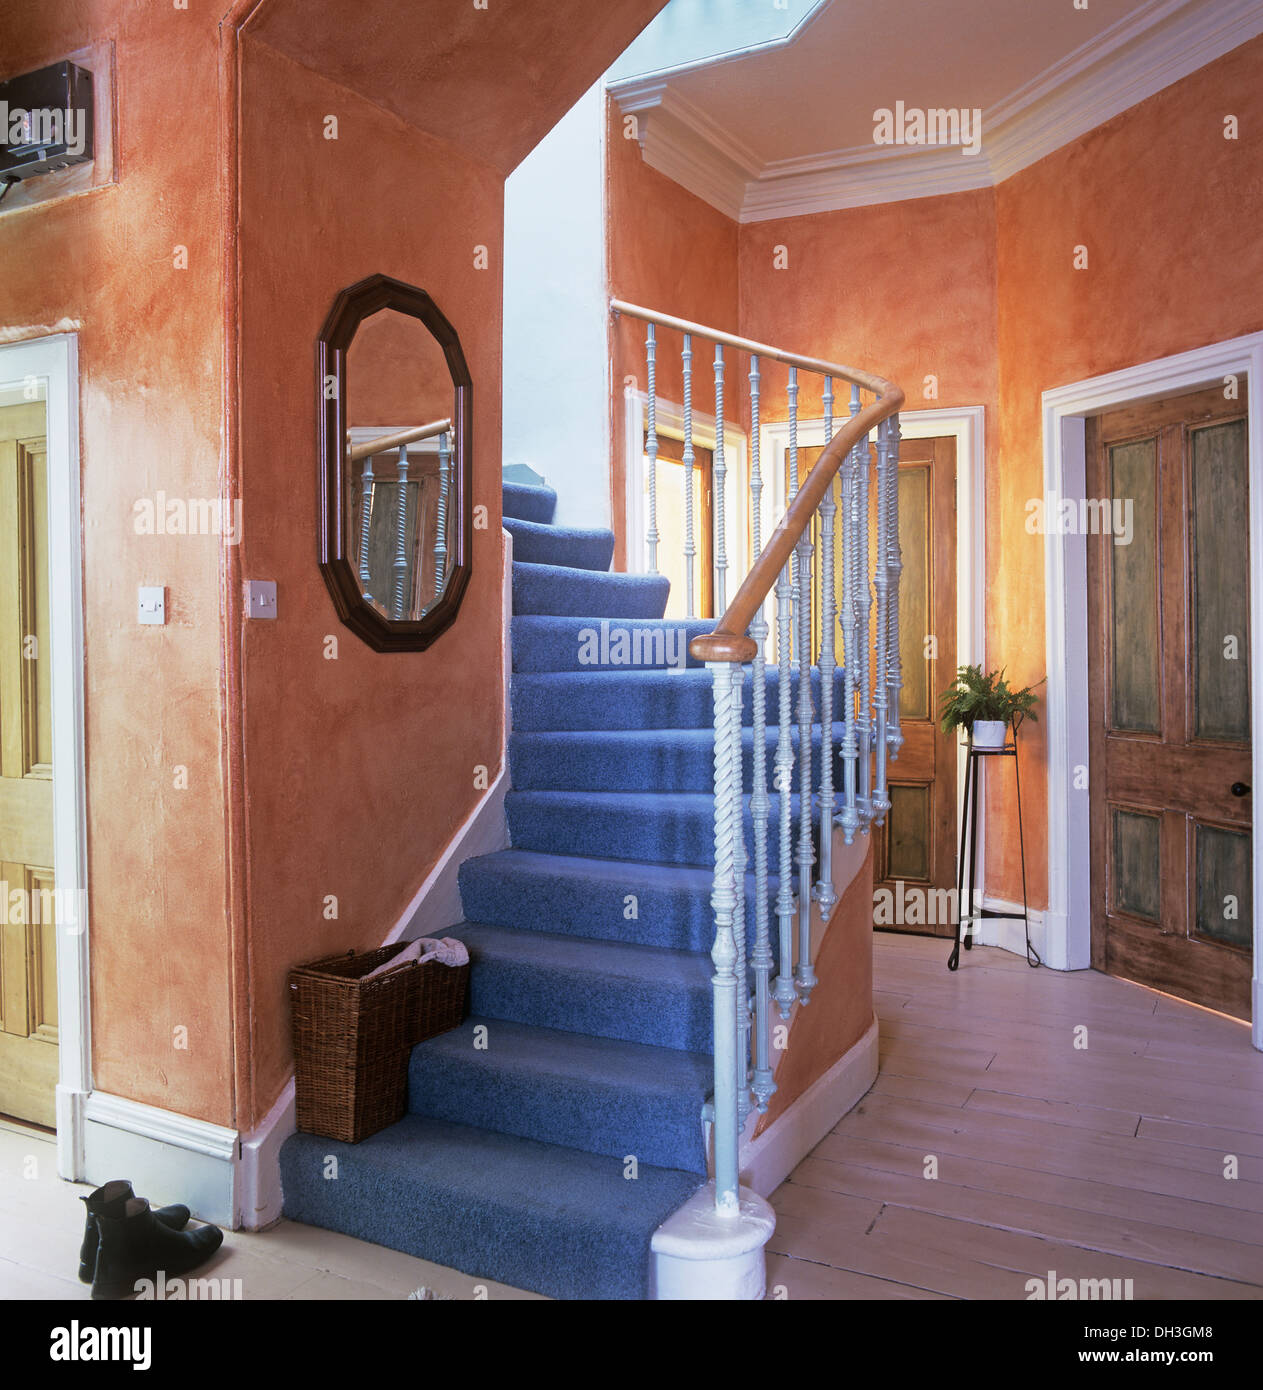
(45, 121)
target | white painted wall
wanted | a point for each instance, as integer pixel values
(556, 348)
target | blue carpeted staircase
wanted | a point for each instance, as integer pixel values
(590, 943)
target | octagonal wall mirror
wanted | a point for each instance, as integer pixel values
(396, 412)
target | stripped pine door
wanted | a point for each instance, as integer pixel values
(28, 944)
(1169, 698)
(916, 847)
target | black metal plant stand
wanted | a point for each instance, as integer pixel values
(969, 831)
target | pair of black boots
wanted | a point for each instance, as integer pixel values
(125, 1241)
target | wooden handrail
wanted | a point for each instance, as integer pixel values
(729, 641)
(356, 452)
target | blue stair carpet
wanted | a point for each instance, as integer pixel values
(589, 1040)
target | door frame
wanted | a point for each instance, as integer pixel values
(669, 420)
(54, 360)
(1068, 919)
(967, 426)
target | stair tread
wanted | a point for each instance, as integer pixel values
(612, 959)
(537, 1216)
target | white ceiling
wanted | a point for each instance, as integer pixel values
(855, 56)
(789, 128)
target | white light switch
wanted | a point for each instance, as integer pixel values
(260, 598)
(151, 605)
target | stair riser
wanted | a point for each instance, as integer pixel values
(661, 1014)
(675, 919)
(584, 644)
(546, 590)
(589, 1114)
(537, 1227)
(585, 550)
(606, 699)
(549, 763)
(657, 835)
(528, 503)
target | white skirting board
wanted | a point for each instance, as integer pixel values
(1009, 932)
(768, 1160)
(166, 1157)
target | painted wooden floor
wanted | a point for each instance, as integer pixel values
(1100, 1161)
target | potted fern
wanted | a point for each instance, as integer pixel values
(985, 705)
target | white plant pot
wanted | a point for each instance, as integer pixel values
(989, 733)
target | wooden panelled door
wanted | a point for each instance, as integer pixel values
(916, 848)
(1169, 698)
(28, 942)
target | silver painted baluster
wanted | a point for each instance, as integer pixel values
(739, 932)
(367, 484)
(849, 818)
(440, 520)
(881, 581)
(804, 974)
(824, 892)
(721, 473)
(651, 449)
(864, 603)
(401, 536)
(725, 983)
(894, 732)
(690, 550)
(784, 993)
(761, 957)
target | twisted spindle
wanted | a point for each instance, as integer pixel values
(824, 891)
(761, 958)
(401, 536)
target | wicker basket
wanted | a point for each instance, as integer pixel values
(438, 999)
(352, 1038)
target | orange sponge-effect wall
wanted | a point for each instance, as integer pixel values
(973, 299)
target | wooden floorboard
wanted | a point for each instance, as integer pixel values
(1136, 1156)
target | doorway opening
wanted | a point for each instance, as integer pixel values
(44, 1042)
(1168, 555)
(1226, 367)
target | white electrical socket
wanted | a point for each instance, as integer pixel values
(151, 605)
(260, 598)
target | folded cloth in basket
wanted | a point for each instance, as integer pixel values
(445, 950)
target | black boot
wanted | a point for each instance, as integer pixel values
(109, 1200)
(136, 1245)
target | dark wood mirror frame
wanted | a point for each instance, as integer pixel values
(351, 307)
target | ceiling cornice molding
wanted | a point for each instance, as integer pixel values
(1147, 51)
(1134, 60)
(686, 145)
(860, 178)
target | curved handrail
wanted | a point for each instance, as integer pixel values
(383, 442)
(728, 641)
